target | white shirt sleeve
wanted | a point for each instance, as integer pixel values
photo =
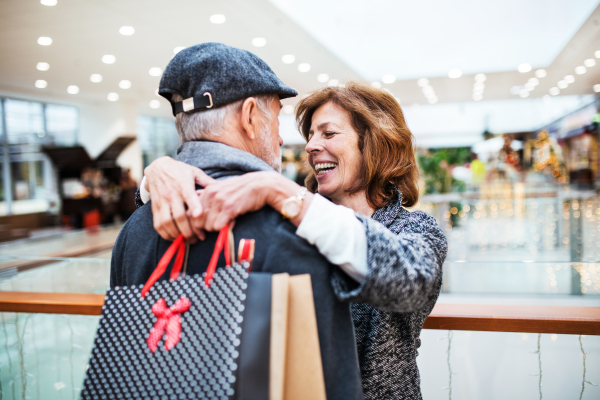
(338, 235)
(144, 194)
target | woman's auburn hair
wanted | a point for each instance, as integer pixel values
(386, 143)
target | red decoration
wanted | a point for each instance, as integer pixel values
(169, 321)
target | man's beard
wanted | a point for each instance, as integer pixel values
(265, 149)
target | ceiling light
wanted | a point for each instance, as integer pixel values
(541, 73)
(423, 82)
(569, 79)
(562, 84)
(480, 78)
(554, 91)
(529, 86)
(534, 81)
(48, 2)
(597, 53)
(432, 100)
(125, 84)
(522, 68)
(590, 62)
(389, 78)
(515, 89)
(96, 78)
(259, 42)
(41, 84)
(597, 88)
(43, 66)
(288, 59)
(108, 59)
(177, 49)
(455, 73)
(112, 96)
(72, 89)
(154, 104)
(376, 85)
(126, 30)
(288, 109)
(479, 86)
(217, 18)
(304, 67)
(44, 41)
(427, 90)
(333, 82)
(322, 78)
(524, 93)
(477, 96)
(580, 70)
(155, 71)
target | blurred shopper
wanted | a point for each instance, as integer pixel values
(229, 128)
(363, 172)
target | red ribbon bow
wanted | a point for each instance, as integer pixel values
(169, 321)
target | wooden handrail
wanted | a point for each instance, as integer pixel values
(465, 317)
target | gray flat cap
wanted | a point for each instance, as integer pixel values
(211, 75)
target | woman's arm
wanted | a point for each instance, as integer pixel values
(405, 269)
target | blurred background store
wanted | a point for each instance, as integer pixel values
(501, 97)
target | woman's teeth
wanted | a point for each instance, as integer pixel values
(323, 168)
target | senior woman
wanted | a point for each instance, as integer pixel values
(363, 175)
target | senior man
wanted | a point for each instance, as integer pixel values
(226, 103)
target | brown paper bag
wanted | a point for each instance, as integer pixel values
(296, 370)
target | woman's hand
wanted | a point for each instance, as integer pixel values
(224, 200)
(172, 186)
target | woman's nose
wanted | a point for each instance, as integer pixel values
(313, 146)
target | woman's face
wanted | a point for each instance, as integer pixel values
(333, 151)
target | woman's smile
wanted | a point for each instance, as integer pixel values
(323, 169)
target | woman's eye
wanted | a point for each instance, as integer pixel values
(329, 134)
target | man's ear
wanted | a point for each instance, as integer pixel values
(250, 118)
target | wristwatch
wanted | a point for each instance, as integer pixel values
(292, 206)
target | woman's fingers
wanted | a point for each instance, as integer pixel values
(181, 220)
(163, 222)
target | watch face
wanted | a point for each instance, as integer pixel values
(292, 209)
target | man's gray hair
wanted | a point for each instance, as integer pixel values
(210, 123)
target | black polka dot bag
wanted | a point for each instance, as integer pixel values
(183, 338)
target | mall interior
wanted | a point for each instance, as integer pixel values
(502, 98)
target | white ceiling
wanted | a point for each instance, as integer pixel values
(415, 39)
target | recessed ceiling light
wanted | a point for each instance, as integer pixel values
(569, 79)
(590, 62)
(217, 18)
(479, 86)
(554, 91)
(177, 49)
(333, 82)
(529, 86)
(477, 96)
(288, 109)
(108, 59)
(541, 73)
(112, 96)
(44, 41)
(524, 93)
(534, 81)
(72, 89)
(125, 84)
(322, 78)
(427, 90)
(480, 78)
(155, 71)
(389, 78)
(454, 73)
(580, 70)
(423, 82)
(48, 2)
(562, 84)
(597, 53)
(597, 88)
(126, 30)
(288, 59)
(432, 100)
(41, 84)
(259, 42)
(154, 104)
(43, 66)
(96, 78)
(304, 67)
(525, 67)
(376, 85)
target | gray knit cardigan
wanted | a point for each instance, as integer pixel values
(406, 251)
